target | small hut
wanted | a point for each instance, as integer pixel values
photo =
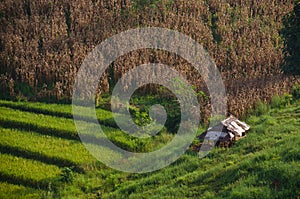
(226, 132)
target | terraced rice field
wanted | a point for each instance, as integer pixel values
(38, 143)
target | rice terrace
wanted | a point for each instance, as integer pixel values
(219, 118)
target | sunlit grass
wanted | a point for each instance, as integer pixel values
(44, 145)
(266, 164)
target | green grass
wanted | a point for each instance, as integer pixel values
(52, 149)
(266, 164)
(25, 171)
(18, 192)
(65, 128)
(60, 127)
(58, 110)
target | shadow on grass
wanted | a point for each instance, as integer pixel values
(15, 151)
(70, 135)
(64, 134)
(18, 180)
(20, 107)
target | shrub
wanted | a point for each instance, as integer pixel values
(287, 99)
(296, 92)
(276, 102)
(261, 108)
(67, 175)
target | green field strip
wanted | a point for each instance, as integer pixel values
(23, 153)
(21, 171)
(59, 110)
(8, 190)
(27, 182)
(88, 138)
(43, 124)
(64, 128)
(63, 134)
(43, 130)
(47, 149)
(50, 122)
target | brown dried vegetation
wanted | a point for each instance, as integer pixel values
(43, 43)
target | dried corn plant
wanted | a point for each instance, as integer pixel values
(43, 43)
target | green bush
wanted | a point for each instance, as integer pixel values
(276, 102)
(296, 92)
(287, 99)
(261, 108)
(279, 102)
(67, 175)
(141, 118)
(141, 105)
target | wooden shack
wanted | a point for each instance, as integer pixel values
(226, 132)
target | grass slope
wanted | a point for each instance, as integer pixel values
(264, 165)
(37, 142)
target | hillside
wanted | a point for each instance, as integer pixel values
(44, 45)
(41, 156)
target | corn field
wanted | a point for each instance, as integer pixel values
(43, 43)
